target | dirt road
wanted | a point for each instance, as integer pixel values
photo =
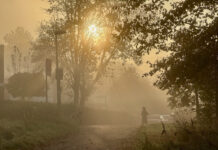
(99, 137)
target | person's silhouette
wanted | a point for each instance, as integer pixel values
(144, 116)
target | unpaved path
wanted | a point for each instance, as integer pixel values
(98, 137)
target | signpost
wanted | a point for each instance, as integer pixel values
(60, 32)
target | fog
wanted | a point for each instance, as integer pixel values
(24, 13)
(81, 74)
(126, 91)
(112, 93)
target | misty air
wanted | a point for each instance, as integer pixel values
(108, 74)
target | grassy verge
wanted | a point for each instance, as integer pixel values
(25, 125)
(149, 137)
(185, 136)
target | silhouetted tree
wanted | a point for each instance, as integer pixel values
(189, 30)
(84, 57)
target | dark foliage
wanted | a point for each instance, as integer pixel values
(188, 32)
(26, 85)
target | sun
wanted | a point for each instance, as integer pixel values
(93, 29)
(94, 33)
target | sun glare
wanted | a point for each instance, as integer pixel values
(92, 29)
(95, 33)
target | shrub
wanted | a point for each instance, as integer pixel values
(26, 85)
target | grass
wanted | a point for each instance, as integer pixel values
(179, 136)
(25, 125)
(150, 137)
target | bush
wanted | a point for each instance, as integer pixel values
(26, 85)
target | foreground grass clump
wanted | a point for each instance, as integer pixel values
(151, 137)
(25, 125)
(192, 136)
(178, 136)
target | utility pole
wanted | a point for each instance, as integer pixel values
(47, 73)
(1, 72)
(57, 68)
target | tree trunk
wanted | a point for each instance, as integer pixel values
(76, 90)
(83, 92)
(216, 99)
(216, 83)
(197, 103)
(76, 96)
(83, 99)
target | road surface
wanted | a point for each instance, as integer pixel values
(98, 137)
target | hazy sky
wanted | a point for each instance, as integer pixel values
(25, 13)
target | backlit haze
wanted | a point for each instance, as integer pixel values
(24, 13)
(30, 13)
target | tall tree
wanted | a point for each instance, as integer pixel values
(89, 44)
(190, 33)
(187, 30)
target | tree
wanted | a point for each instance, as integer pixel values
(18, 44)
(191, 26)
(16, 58)
(26, 85)
(187, 30)
(84, 53)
